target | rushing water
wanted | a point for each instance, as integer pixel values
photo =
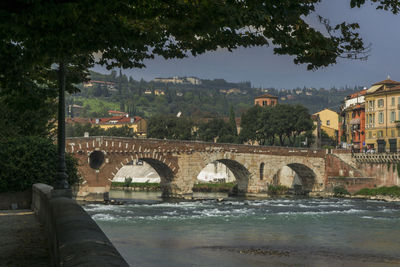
(240, 232)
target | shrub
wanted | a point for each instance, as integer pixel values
(214, 187)
(384, 190)
(339, 191)
(128, 182)
(28, 160)
(277, 190)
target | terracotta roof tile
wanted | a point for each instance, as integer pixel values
(387, 82)
(266, 96)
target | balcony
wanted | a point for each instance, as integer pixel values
(397, 124)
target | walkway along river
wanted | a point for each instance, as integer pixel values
(243, 232)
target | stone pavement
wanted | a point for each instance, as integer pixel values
(22, 240)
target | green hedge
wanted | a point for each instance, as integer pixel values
(141, 185)
(385, 191)
(28, 160)
(339, 191)
(276, 190)
(213, 187)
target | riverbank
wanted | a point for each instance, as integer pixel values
(155, 187)
(366, 197)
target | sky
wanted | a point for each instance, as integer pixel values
(262, 68)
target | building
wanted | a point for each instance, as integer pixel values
(179, 80)
(266, 100)
(138, 124)
(382, 116)
(329, 122)
(75, 111)
(352, 121)
(117, 113)
(109, 85)
(159, 92)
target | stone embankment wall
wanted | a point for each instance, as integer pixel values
(74, 238)
(361, 170)
(16, 200)
(342, 170)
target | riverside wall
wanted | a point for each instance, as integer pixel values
(74, 238)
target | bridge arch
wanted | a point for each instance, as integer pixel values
(297, 176)
(239, 171)
(164, 168)
(96, 159)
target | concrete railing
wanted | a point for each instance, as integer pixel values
(74, 238)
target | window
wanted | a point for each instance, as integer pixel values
(328, 122)
(373, 119)
(380, 134)
(369, 134)
(380, 117)
(380, 103)
(392, 133)
(393, 100)
(392, 116)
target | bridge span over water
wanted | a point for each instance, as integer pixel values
(179, 162)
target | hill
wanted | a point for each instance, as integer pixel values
(210, 98)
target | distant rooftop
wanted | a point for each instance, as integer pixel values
(266, 96)
(387, 82)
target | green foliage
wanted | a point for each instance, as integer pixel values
(339, 191)
(170, 127)
(327, 140)
(217, 130)
(250, 125)
(398, 169)
(384, 191)
(204, 100)
(232, 121)
(28, 160)
(276, 190)
(146, 186)
(213, 187)
(286, 122)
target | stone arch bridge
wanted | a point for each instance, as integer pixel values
(179, 162)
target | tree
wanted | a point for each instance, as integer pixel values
(302, 122)
(265, 133)
(232, 121)
(76, 34)
(170, 127)
(216, 130)
(249, 124)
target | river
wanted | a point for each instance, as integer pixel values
(243, 232)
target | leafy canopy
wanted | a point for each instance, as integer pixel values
(125, 33)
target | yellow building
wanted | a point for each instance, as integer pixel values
(138, 124)
(382, 116)
(329, 122)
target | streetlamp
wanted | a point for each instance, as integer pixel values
(61, 179)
